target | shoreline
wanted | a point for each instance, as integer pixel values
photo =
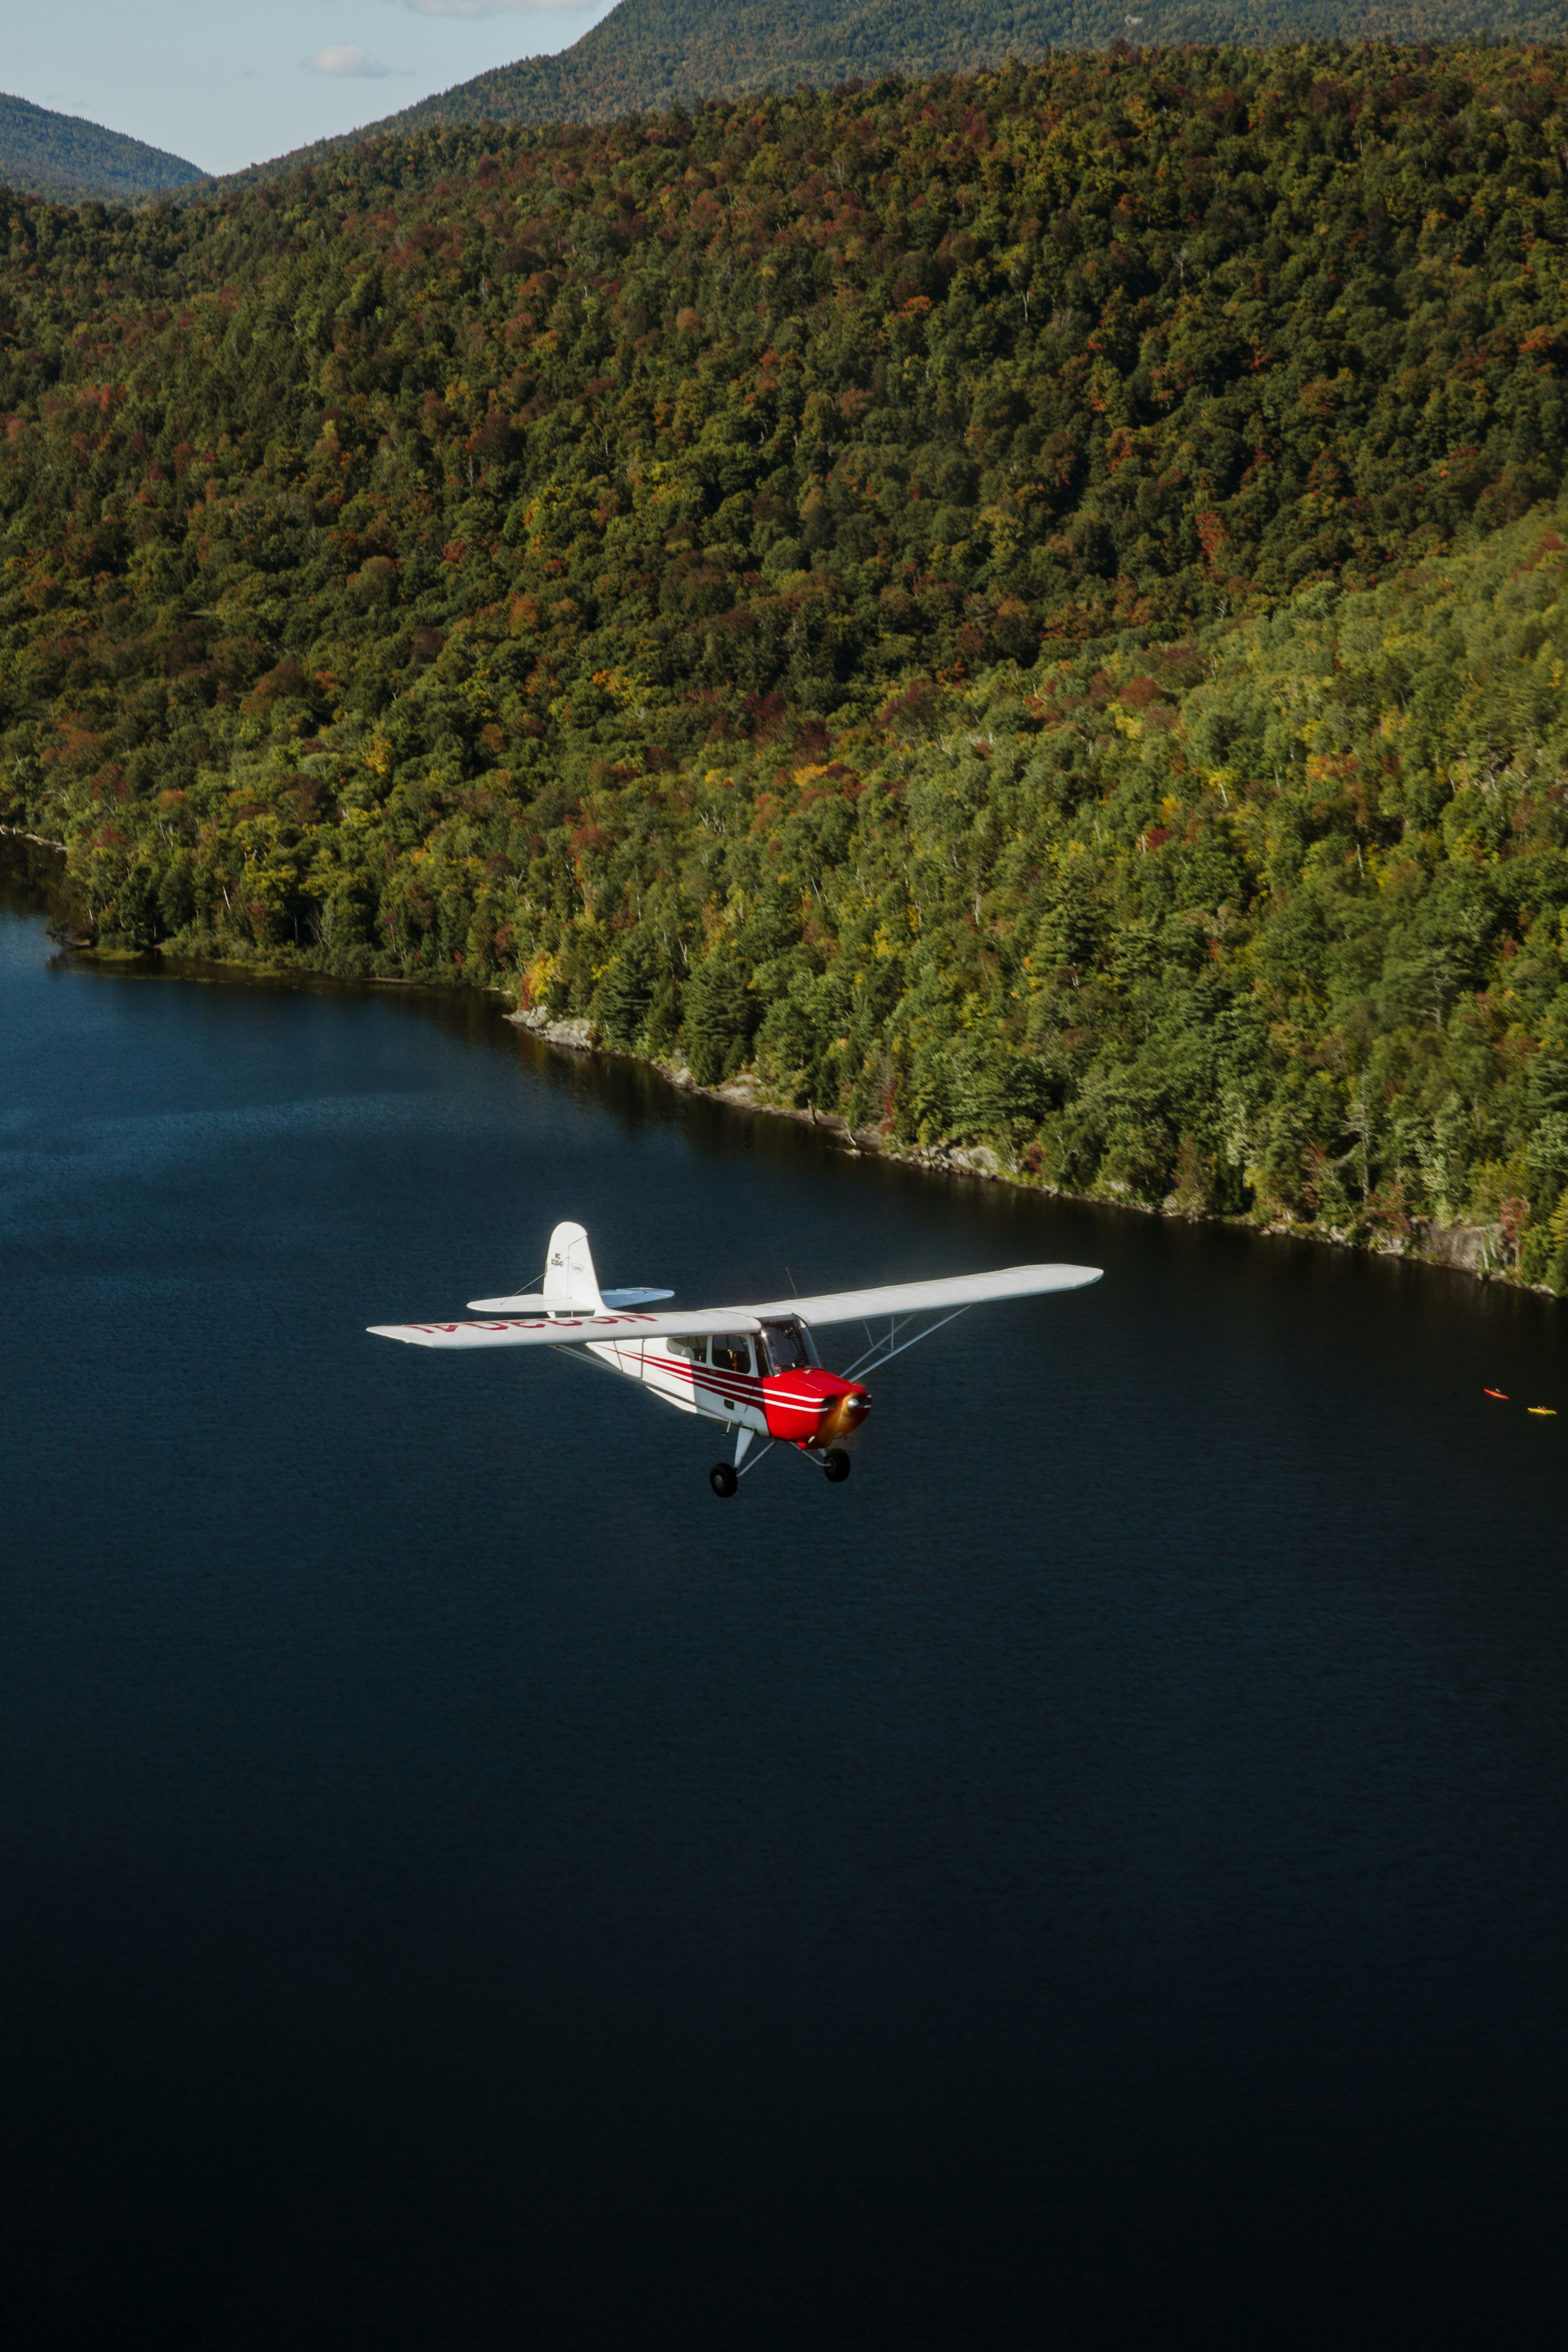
(19, 833)
(1473, 1250)
(1477, 1250)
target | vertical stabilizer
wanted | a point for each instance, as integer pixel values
(569, 1277)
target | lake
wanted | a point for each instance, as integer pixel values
(1099, 1876)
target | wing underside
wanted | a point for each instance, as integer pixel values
(573, 1331)
(954, 1291)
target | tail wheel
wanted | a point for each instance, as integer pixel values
(723, 1481)
(836, 1467)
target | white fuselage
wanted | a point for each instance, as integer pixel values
(719, 1392)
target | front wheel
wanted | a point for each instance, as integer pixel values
(836, 1467)
(723, 1481)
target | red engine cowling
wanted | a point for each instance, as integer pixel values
(811, 1408)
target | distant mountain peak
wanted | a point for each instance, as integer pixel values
(66, 158)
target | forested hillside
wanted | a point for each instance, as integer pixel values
(655, 54)
(67, 158)
(1022, 610)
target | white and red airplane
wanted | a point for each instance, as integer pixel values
(754, 1368)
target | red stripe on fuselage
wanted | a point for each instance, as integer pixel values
(793, 1405)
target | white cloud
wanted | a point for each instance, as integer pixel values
(344, 58)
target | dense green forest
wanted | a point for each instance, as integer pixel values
(1022, 610)
(67, 158)
(653, 55)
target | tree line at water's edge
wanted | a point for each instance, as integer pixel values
(1023, 611)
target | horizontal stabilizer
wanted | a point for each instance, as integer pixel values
(534, 1302)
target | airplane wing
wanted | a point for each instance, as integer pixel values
(516, 1331)
(954, 1291)
(951, 1291)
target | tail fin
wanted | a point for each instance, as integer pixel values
(569, 1277)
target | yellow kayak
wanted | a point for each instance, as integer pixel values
(1546, 1412)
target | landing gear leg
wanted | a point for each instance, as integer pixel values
(836, 1467)
(722, 1479)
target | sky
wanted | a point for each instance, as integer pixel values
(230, 82)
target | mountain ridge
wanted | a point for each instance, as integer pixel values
(662, 56)
(68, 159)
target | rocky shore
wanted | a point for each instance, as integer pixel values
(1482, 1250)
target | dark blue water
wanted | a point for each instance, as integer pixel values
(1099, 1878)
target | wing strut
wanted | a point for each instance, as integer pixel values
(872, 1361)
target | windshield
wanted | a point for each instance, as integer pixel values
(789, 1344)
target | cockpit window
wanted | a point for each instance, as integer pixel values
(732, 1353)
(789, 1344)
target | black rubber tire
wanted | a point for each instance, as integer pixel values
(836, 1467)
(722, 1479)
